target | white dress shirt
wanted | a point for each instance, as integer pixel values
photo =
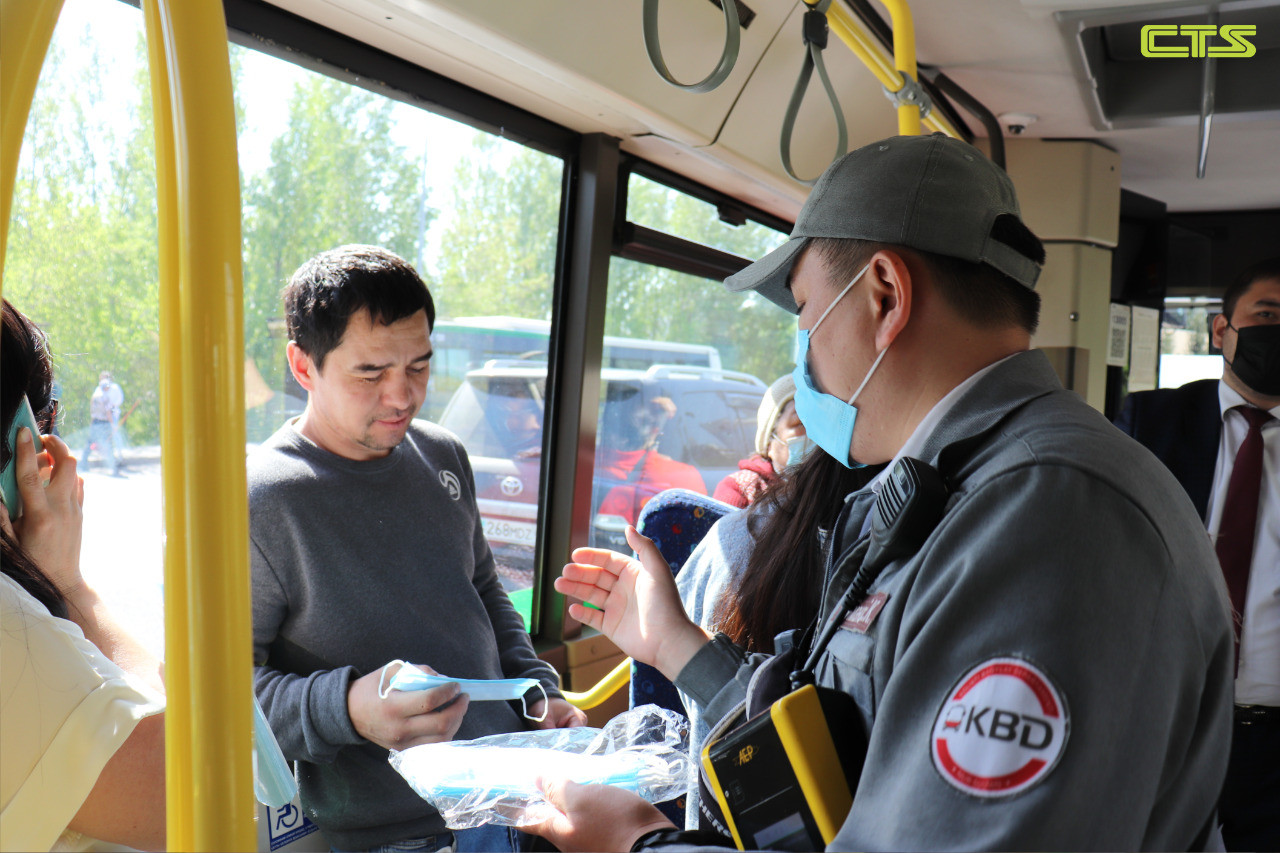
(1258, 679)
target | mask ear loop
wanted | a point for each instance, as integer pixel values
(382, 693)
(546, 704)
(870, 373)
(836, 301)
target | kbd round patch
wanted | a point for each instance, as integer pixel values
(1001, 729)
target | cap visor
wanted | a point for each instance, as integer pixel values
(768, 276)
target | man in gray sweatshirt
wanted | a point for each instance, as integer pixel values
(366, 547)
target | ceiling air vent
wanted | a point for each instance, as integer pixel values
(1124, 86)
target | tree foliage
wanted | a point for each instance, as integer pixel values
(499, 250)
(82, 258)
(82, 248)
(659, 304)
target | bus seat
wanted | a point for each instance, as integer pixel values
(676, 520)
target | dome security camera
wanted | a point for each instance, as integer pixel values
(1016, 124)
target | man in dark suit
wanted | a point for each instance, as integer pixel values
(1221, 439)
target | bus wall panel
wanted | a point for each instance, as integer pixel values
(1069, 190)
(1075, 310)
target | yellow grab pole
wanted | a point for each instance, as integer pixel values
(208, 638)
(178, 775)
(26, 28)
(888, 70)
(904, 59)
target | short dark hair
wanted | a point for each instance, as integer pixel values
(979, 292)
(326, 290)
(1264, 269)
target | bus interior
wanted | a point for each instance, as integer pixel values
(559, 175)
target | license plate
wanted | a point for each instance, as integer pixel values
(510, 532)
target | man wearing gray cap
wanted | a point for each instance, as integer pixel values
(1045, 661)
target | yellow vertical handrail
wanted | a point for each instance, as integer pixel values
(179, 827)
(891, 71)
(904, 60)
(26, 28)
(207, 625)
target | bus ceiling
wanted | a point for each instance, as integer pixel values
(585, 66)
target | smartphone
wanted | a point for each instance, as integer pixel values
(9, 493)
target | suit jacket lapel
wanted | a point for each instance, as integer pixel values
(1195, 458)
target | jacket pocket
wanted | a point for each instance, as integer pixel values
(846, 666)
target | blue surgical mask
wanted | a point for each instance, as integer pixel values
(798, 447)
(828, 420)
(409, 677)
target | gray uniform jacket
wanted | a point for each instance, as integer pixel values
(1052, 668)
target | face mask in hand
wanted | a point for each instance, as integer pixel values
(409, 677)
(828, 420)
(1257, 361)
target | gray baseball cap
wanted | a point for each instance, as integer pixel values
(932, 193)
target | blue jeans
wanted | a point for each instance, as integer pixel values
(482, 839)
(101, 433)
(430, 844)
(487, 839)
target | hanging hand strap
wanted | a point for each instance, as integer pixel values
(728, 58)
(815, 39)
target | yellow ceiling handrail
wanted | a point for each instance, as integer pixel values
(892, 71)
(208, 646)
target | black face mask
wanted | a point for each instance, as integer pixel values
(1257, 361)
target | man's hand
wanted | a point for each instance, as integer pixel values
(53, 510)
(640, 608)
(406, 717)
(595, 817)
(560, 714)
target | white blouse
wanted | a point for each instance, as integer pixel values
(65, 709)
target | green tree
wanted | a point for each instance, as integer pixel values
(499, 252)
(654, 303)
(81, 257)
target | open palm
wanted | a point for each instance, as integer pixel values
(639, 607)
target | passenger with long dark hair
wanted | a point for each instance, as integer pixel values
(81, 722)
(758, 572)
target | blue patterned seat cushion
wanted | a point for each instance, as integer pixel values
(676, 520)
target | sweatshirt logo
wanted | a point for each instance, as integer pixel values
(450, 481)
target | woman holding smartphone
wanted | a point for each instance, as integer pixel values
(81, 702)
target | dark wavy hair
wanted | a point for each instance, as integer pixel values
(25, 370)
(326, 290)
(782, 582)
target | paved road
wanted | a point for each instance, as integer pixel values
(123, 552)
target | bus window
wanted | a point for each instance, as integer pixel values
(662, 208)
(1186, 342)
(686, 427)
(323, 162)
(467, 343)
